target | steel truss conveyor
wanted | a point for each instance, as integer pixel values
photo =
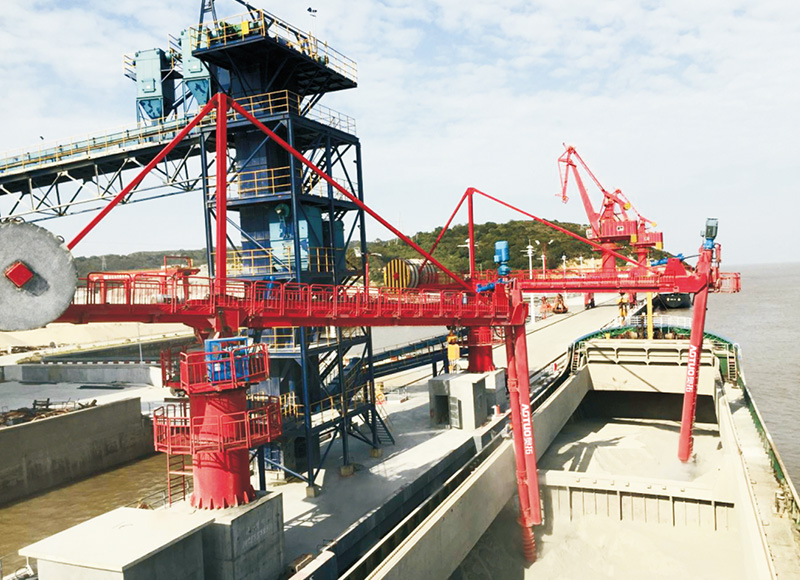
(191, 300)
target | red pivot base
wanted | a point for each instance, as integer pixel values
(214, 503)
(222, 480)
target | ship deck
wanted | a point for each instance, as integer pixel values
(619, 504)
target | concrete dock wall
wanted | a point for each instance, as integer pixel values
(550, 418)
(39, 455)
(82, 373)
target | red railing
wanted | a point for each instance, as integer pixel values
(171, 429)
(124, 293)
(729, 282)
(587, 280)
(175, 432)
(194, 299)
(206, 372)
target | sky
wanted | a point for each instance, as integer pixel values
(692, 109)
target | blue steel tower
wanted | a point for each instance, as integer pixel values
(293, 226)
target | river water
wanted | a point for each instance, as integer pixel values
(32, 519)
(764, 318)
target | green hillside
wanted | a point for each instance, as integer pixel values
(134, 261)
(517, 233)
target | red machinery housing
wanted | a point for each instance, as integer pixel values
(217, 429)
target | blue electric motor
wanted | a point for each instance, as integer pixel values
(501, 257)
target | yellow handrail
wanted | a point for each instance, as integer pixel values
(269, 261)
(261, 23)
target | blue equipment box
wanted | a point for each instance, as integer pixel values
(218, 358)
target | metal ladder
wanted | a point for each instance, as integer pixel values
(733, 368)
(575, 363)
(383, 426)
(179, 472)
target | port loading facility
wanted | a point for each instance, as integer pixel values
(284, 164)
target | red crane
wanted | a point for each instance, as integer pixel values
(612, 224)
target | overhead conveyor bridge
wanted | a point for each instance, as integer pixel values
(410, 356)
(95, 162)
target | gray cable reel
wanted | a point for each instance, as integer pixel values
(37, 276)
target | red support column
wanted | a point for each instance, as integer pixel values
(479, 341)
(221, 478)
(609, 261)
(221, 265)
(525, 520)
(686, 440)
(471, 239)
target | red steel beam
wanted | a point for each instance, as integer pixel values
(447, 225)
(143, 173)
(565, 231)
(471, 241)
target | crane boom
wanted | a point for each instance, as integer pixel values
(612, 223)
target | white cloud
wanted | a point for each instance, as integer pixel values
(689, 107)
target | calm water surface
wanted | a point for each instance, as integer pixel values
(30, 520)
(765, 320)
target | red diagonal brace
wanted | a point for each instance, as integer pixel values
(565, 231)
(332, 182)
(148, 168)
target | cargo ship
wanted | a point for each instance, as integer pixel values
(675, 300)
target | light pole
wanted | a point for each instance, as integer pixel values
(544, 254)
(313, 14)
(564, 263)
(528, 251)
(313, 47)
(581, 259)
(469, 249)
